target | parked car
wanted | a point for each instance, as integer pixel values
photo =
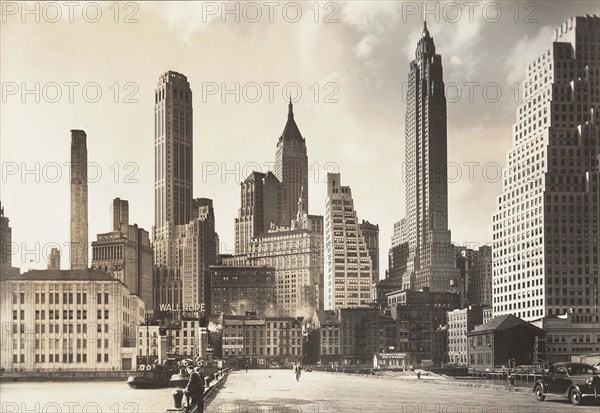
(574, 381)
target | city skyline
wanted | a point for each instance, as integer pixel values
(356, 164)
(348, 189)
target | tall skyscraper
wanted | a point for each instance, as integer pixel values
(173, 150)
(291, 168)
(348, 267)
(184, 238)
(547, 221)
(79, 201)
(431, 255)
(119, 213)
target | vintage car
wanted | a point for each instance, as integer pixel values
(575, 381)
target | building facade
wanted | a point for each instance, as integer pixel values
(504, 340)
(126, 254)
(6, 245)
(70, 319)
(259, 208)
(173, 150)
(291, 168)
(370, 233)
(479, 291)
(235, 290)
(54, 259)
(184, 238)
(79, 201)
(546, 227)
(465, 262)
(296, 255)
(119, 213)
(431, 254)
(364, 332)
(262, 342)
(348, 267)
(397, 259)
(570, 336)
(461, 322)
(420, 317)
(327, 337)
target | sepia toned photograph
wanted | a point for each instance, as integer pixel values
(305, 206)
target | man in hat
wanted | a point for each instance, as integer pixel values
(194, 389)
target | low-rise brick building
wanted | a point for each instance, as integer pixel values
(262, 342)
(506, 340)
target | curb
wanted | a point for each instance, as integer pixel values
(449, 382)
(212, 392)
(485, 386)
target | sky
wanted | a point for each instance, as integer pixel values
(94, 66)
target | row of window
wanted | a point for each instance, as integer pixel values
(66, 358)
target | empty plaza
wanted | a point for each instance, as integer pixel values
(278, 391)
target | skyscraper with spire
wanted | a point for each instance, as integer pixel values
(291, 168)
(431, 254)
(274, 229)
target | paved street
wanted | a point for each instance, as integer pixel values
(278, 391)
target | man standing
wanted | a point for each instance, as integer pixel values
(195, 389)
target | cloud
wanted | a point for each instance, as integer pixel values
(359, 154)
(524, 51)
(370, 20)
(364, 48)
(185, 21)
(455, 60)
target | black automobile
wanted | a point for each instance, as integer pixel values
(575, 381)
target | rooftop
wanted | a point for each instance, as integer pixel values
(60, 275)
(503, 322)
(327, 317)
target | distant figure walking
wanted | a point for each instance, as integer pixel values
(298, 371)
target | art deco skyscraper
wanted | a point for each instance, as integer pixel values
(173, 145)
(291, 168)
(79, 201)
(431, 255)
(547, 221)
(184, 238)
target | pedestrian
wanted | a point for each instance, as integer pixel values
(194, 390)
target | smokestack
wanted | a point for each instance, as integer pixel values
(79, 201)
